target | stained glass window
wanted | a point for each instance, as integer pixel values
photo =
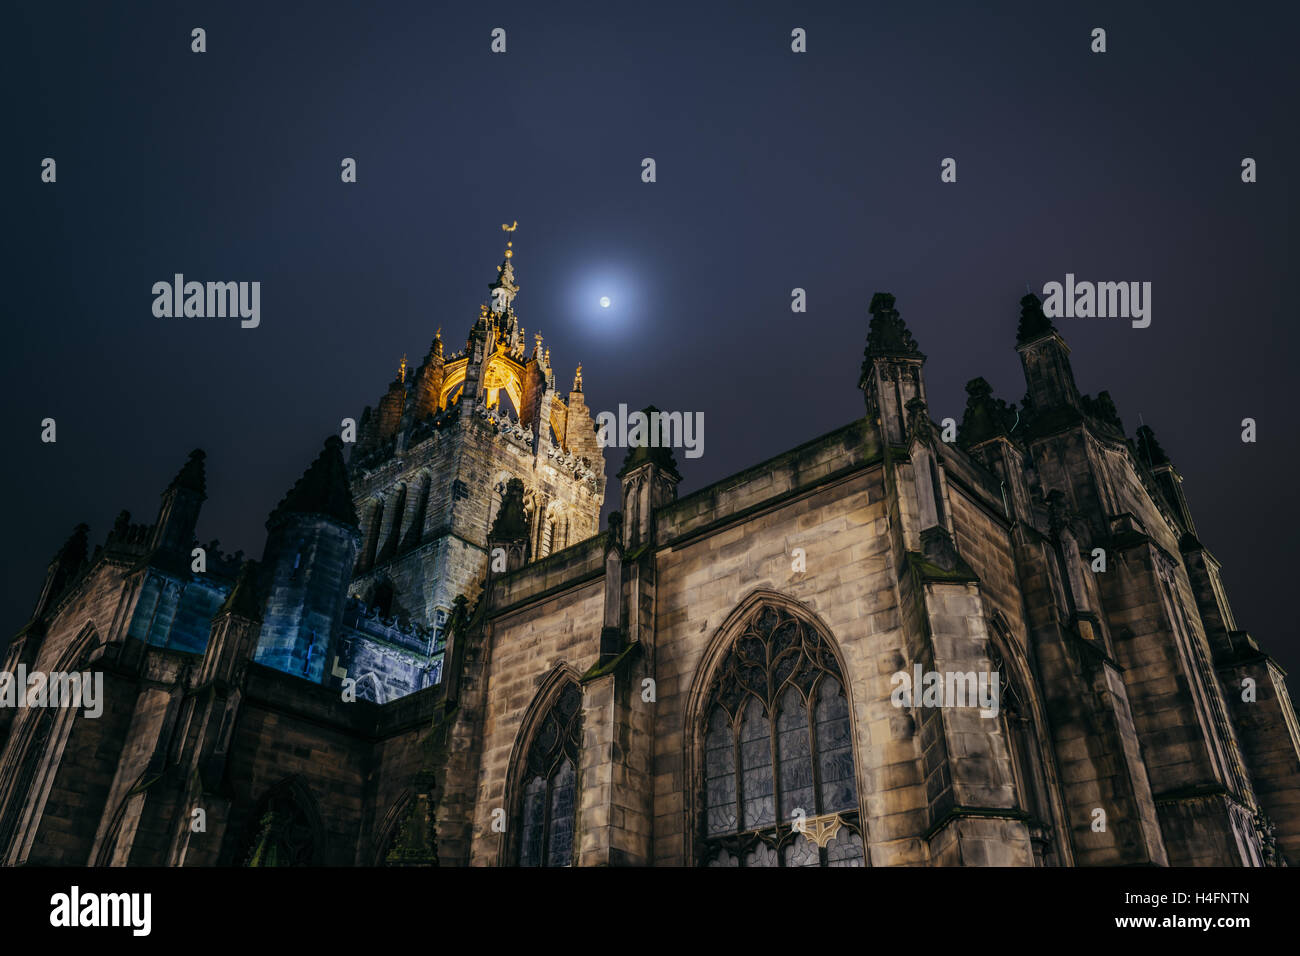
(548, 801)
(778, 784)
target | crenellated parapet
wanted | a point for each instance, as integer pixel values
(370, 622)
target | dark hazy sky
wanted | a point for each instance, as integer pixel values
(775, 170)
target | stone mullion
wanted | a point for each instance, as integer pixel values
(544, 847)
(740, 778)
(812, 745)
(811, 710)
(771, 740)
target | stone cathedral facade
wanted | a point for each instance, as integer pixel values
(442, 658)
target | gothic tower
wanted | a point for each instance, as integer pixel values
(311, 547)
(433, 461)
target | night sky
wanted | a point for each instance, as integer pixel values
(775, 170)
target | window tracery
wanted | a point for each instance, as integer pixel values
(548, 800)
(779, 784)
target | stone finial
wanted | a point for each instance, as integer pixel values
(1033, 321)
(660, 455)
(64, 566)
(505, 288)
(1102, 409)
(985, 417)
(1149, 450)
(191, 475)
(74, 549)
(577, 379)
(888, 335)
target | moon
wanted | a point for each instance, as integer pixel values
(604, 302)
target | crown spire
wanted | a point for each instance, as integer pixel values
(504, 289)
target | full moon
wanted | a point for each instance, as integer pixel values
(604, 302)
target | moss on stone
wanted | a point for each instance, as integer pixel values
(600, 670)
(416, 843)
(928, 571)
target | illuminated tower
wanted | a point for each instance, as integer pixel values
(433, 460)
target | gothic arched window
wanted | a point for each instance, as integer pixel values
(281, 833)
(381, 598)
(370, 551)
(779, 782)
(1015, 710)
(391, 545)
(20, 790)
(549, 785)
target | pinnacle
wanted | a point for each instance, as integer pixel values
(191, 475)
(322, 489)
(888, 335)
(1033, 322)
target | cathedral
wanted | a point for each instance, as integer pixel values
(442, 658)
